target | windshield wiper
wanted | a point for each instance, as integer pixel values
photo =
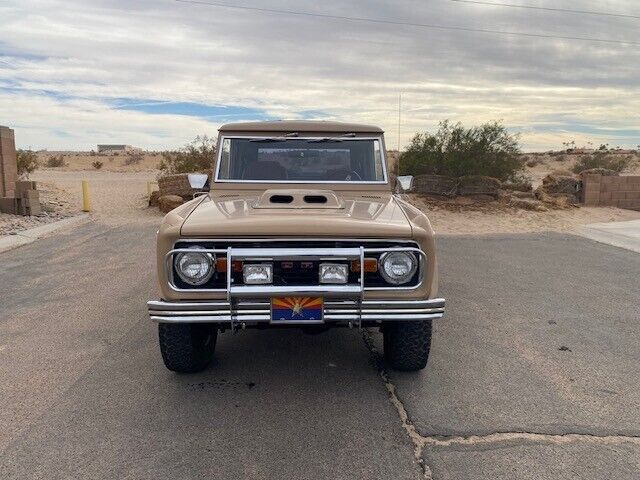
(325, 139)
(268, 139)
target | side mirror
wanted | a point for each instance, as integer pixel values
(404, 183)
(198, 180)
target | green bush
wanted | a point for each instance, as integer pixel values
(97, 164)
(487, 150)
(601, 159)
(197, 156)
(27, 162)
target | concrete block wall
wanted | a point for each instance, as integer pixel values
(8, 165)
(621, 192)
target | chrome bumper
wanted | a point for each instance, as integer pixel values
(253, 312)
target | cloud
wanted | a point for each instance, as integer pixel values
(156, 74)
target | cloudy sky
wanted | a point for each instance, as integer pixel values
(156, 73)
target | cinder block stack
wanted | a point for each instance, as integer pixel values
(16, 197)
(8, 163)
(177, 184)
(27, 198)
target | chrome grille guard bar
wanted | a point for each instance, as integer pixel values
(320, 254)
(250, 303)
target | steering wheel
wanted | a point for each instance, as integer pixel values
(352, 174)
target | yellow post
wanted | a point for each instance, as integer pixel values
(85, 196)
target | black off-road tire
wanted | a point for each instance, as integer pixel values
(407, 344)
(187, 347)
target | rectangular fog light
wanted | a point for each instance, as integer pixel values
(334, 273)
(257, 274)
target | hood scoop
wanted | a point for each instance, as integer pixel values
(299, 199)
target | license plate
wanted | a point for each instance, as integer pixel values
(296, 310)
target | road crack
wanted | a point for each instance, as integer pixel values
(407, 424)
(554, 439)
(420, 441)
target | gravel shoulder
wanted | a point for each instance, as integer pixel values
(56, 205)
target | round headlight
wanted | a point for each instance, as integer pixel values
(398, 267)
(195, 267)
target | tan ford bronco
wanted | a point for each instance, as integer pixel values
(299, 227)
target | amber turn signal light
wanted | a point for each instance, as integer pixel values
(370, 265)
(221, 265)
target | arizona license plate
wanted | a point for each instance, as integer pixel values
(296, 309)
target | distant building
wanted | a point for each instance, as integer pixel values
(117, 148)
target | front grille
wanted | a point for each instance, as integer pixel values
(294, 273)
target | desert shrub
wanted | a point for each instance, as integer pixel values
(601, 159)
(196, 156)
(27, 162)
(97, 164)
(133, 159)
(56, 161)
(518, 183)
(487, 150)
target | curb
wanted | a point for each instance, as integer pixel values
(611, 234)
(9, 242)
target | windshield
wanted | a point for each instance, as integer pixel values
(307, 160)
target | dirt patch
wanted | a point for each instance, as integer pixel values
(113, 196)
(465, 215)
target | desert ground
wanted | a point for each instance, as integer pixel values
(111, 162)
(118, 191)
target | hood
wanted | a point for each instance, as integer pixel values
(291, 213)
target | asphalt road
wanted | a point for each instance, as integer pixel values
(535, 373)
